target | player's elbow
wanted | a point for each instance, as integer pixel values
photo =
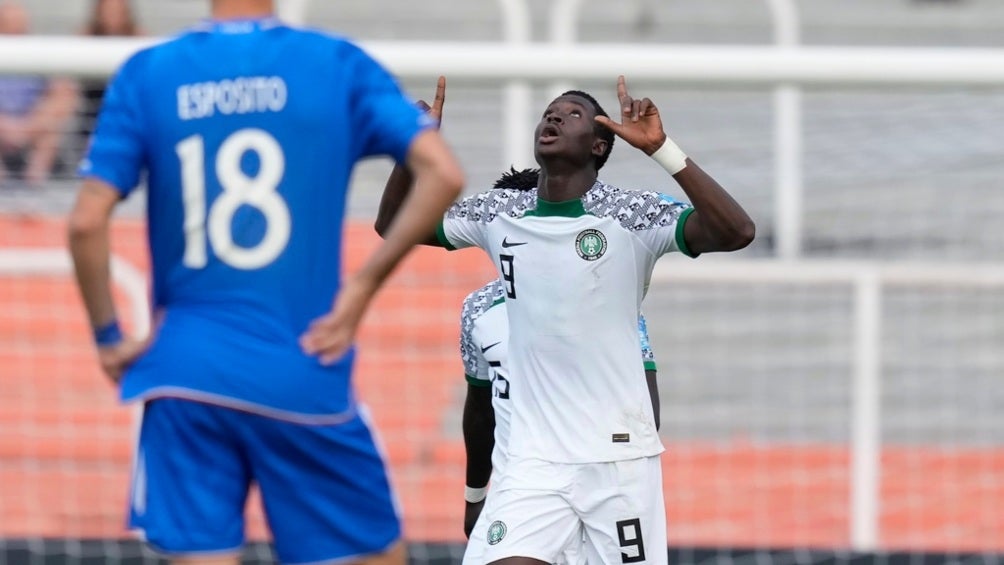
(434, 166)
(83, 224)
(381, 225)
(743, 234)
(735, 235)
(449, 177)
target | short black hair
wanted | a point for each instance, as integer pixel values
(520, 180)
(601, 130)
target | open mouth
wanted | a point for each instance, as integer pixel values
(548, 134)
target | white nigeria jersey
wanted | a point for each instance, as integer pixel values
(574, 275)
(484, 331)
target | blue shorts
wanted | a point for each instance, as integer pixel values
(324, 488)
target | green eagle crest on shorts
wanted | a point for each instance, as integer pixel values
(590, 244)
(496, 532)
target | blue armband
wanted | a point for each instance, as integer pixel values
(108, 334)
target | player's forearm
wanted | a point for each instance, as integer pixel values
(394, 193)
(90, 249)
(435, 190)
(479, 436)
(724, 224)
(653, 392)
(479, 443)
(438, 181)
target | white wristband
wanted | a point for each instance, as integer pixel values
(474, 495)
(670, 157)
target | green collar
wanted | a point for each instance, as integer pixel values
(567, 209)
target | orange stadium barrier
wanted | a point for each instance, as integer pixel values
(65, 443)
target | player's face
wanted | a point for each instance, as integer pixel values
(567, 130)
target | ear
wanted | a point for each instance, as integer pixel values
(599, 147)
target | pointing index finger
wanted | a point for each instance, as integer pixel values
(625, 99)
(437, 102)
(621, 88)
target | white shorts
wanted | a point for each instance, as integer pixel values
(539, 509)
(474, 553)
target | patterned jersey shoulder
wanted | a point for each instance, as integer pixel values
(485, 206)
(475, 305)
(635, 210)
(479, 302)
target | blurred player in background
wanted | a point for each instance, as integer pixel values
(34, 113)
(107, 18)
(575, 257)
(247, 132)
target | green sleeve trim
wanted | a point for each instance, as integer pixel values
(681, 241)
(650, 366)
(474, 381)
(442, 239)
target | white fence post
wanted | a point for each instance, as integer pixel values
(517, 95)
(788, 208)
(564, 32)
(866, 421)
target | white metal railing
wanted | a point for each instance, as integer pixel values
(751, 65)
(34, 262)
(867, 279)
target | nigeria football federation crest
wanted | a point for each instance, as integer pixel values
(591, 244)
(496, 532)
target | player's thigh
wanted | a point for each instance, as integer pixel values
(535, 524)
(623, 512)
(190, 481)
(325, 490)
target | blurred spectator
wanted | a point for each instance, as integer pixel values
(109, 18)
(34, 112)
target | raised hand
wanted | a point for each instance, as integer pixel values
(436, 110)
(640, 124)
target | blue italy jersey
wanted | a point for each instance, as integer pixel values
(246, 133)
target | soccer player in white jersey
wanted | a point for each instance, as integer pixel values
(484, 330)
(576, 257)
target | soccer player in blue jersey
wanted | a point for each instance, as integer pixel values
(246, 132)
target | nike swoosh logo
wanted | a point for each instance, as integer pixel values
(487, 347)
(506, 244)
